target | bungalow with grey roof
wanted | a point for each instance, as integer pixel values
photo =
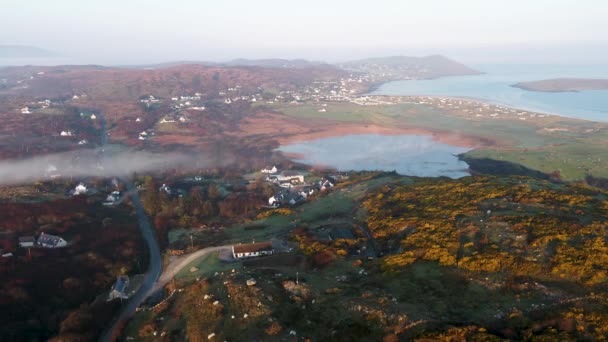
(51, 241)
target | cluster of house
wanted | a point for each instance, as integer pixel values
(172, 119)
(149, 100)
(144, 134)
(44, 241)
(88, 115)
(285, 179)
(286, 197)
(295, 190)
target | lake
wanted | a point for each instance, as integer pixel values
(495, 86)
(411, 155)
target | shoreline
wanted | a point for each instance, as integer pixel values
(489, 101)
(453, 139)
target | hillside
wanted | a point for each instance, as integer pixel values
(524, 259)
(402, 67)
(564, 85)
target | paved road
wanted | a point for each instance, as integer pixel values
(147, 232)
(153, 280)
(152, 274)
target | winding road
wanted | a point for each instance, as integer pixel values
(153, 280)
(147, 232)
(151, 276)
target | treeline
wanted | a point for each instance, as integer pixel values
(200, 205)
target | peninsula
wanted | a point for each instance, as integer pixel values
(564, 85)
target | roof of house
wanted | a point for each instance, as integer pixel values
(291, 173)
(121, 284)
(253, 247)
(48, 239)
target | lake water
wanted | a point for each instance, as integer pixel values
(495, 86)
(412, 155)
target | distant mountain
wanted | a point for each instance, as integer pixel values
(263, 63)
(403, 67)
(273, 63)
(22, 51)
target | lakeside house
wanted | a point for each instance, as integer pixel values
(252, 250)
(119, 289)
(50, 241)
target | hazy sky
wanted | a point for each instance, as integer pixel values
(133, 31)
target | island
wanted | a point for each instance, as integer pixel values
(564, 85)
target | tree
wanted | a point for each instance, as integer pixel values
(208, 209)
(213, 192)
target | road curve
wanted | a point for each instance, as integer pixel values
(180, 263)
(154, 269)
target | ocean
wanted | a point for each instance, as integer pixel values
(495, 86)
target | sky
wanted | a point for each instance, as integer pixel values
(151, 31)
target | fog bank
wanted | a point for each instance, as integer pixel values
(94, 163)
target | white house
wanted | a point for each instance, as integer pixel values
(93, 117)
(269, 170)
(112, 198)
(119, 289)
(25, 110)
(252, 250)
(80, 189)
(290, 176)
(26, 241)
(51, 241)
(66, 133)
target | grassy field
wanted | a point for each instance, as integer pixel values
(206, 266)
(575, 148)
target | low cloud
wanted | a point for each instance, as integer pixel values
(94, 163)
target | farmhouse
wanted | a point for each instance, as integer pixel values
(252, 250)
(269, 170)
(119, 289)
(51, 241)
(26, 241)
(112, 198)
(292, 177)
